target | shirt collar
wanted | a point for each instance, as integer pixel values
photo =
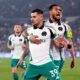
(41, 27)
(16, 35)
(59, 22)
(50, 20)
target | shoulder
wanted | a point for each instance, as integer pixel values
(68, 30)
(67, 26)
(51, 30)
(48, 24)
(21, 36)
(29, 28)
(11, 36)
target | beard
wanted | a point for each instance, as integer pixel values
(18, 32)
(56, 19)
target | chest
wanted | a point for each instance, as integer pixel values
(17, 40)
(41, 33)
(59, 29)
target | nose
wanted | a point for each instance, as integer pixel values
(58, 11)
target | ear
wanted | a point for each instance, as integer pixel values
(41, 17)
(50, 12)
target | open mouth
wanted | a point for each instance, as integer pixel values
(58, 15)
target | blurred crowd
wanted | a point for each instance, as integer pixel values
(12, 13)
(6, 31)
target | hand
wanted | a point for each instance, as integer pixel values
(23, 45)
(61, 45)
(19, 62)
(34, 39)
(11, 47)
(72, 65)
(63, 42)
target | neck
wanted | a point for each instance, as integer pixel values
(39, 25)
(55, 20)
(17, 34)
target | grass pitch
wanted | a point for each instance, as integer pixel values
(67, 73)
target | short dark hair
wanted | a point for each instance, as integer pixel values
(53, 5)
(39, 11)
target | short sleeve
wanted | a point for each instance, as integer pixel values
(68, 31)
(25, 41)
(9, 41)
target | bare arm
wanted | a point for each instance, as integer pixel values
(32, 38)
(69, 45)
(25, 34)
(10, 47)
(72, 52)
(59, 43)
(26, 51)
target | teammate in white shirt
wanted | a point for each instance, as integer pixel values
(17, 45)
(63, 30)
(40, 63)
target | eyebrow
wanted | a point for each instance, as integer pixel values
(60, 9)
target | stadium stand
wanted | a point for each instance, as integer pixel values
(18, 11)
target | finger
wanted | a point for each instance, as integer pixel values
(63, 39)
(72, 64)
(17, 66)
(61, 45)
(37, 41)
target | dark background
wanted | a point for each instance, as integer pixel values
(18, 11)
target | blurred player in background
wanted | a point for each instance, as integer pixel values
(63, 30)
(17, 45)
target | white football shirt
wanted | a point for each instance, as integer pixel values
(60, 30)
(40, 52)
(16, 41)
